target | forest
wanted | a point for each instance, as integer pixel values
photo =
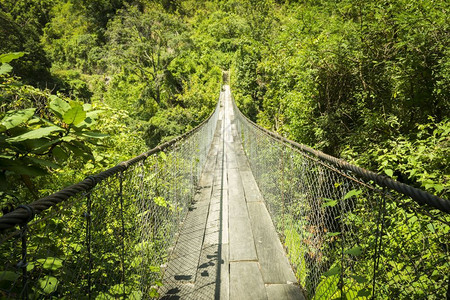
(87, 84)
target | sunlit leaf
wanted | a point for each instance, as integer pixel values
(163, 155)
(8, 57)
(48, 284)
(329, 202)
(58, 106)
(352, 193)
(331, 234)
(17, 117)
(50, 263)
(160, 201)
(94, 135)
(75, 115)
(136, 295)
(389, 172)
(155, 269)
(5, 68)
(35, 134)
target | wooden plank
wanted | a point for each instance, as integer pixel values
(246, 281)
(242, 245)
(224, 273)
(230, 158)
(225, 211)
(181, 271)
(251, 190)
(184, 259)
(284, 291)
(205, 283)
(237, 205)
(275, 266)
(242, 162)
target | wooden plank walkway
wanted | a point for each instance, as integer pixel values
(228, 247)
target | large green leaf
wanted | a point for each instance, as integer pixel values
(9, 276)
(94, 114)
(5, 68)
(60, 154)
(80, 150)
(40, 146)
(35, 134)
(25, 170)
(332, 271)
(75, 115)
(51, 263)
(352, 193)
(91, 118)
(359, 279)
(87, 123)
(94, 135)
(356, 251)
(58, 106)
(6, 58)
(48, 284)
(42, 162)
(21, 167)
(17, 117)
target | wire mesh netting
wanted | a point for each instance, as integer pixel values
(110, 241)
(346, 237)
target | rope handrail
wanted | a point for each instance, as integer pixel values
(420, 196)
(25, 213)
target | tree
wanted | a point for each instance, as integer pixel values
(145, 43)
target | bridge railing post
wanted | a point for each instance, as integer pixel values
(122, 235)
(282, 191)
(23, 263)
(88, 240)
(378, 238)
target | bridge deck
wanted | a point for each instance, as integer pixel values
(228, 247)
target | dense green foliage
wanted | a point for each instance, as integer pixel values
(85, 84)
(357, 79)
(365, 80)
(130, 74)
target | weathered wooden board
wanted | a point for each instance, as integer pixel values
(242, 245)
(275, 266)
(225, 209)
(182, 267)
(246, 281)
(284, 291)
(225, 273)
(251, 190)
(237, 205)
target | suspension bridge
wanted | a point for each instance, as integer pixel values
(229, 210)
